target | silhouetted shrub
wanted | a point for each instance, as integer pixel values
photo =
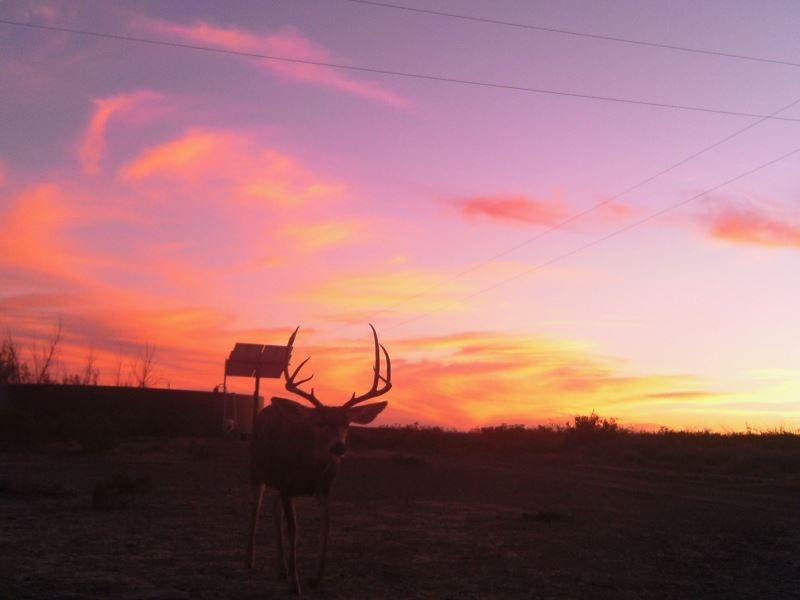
(591, 429)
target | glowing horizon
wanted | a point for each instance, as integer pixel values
(190, 200)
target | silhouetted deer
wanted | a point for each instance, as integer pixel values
(296, 450)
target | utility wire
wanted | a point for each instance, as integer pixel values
(606, 237)
(575, 216)
(761, 118)
(379, 71)
(595, 36)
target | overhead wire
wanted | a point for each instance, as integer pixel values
(603, 238)
(569, 32)
(762, 118)
(574, 217)
(391, 72)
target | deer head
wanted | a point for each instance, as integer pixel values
(330, 424)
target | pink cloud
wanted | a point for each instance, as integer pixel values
(612, 210)
(46, 11)
(93, 144)
(519, 208)
(288, 43)
(753, 224)
(3, 174)
(513, 208)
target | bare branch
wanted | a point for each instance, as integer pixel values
(43, 360)
(144, 365)
(91, 374)
(12, 368)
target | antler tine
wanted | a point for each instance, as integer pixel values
(291, 384)
(377, 358)
(377, 377)
(388, 379)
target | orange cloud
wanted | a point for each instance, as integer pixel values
(190, 341)
(513, 208)
(462, 379)
(32, 234)
(191, 157)
(45, 245)
(285, 43)
(749, 223)
(492, 377)
(232, 160)
(93, 145)
(312, 237)
(349, 297)
(467, 379)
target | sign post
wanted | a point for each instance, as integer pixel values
(255, 360)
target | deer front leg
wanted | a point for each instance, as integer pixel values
(324, 526)
(276, 517)
(291, 529)
(258, 495)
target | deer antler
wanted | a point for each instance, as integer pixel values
(291, 384)
(377, 377)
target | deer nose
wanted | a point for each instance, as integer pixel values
(338, 449)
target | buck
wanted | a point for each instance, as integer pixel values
(296, 450)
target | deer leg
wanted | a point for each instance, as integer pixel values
(276, 517)
(324, 526)
(291, 529)
(258, 495)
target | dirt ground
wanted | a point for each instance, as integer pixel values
(168, 519)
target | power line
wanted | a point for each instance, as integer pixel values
(394, 73)
(761, 118)
(604, 238)
(576, 216)
(595, 36)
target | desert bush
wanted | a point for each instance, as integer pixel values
(585, 430)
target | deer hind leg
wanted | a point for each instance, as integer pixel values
(258, 495)
(291, 529)
(276, 517)
(324, 526)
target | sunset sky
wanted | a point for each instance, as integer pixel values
(189, 199)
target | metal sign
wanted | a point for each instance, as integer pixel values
(256, 360)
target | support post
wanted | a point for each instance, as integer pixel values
(255, 400)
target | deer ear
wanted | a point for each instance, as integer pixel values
(291, 410)
(365, 414)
